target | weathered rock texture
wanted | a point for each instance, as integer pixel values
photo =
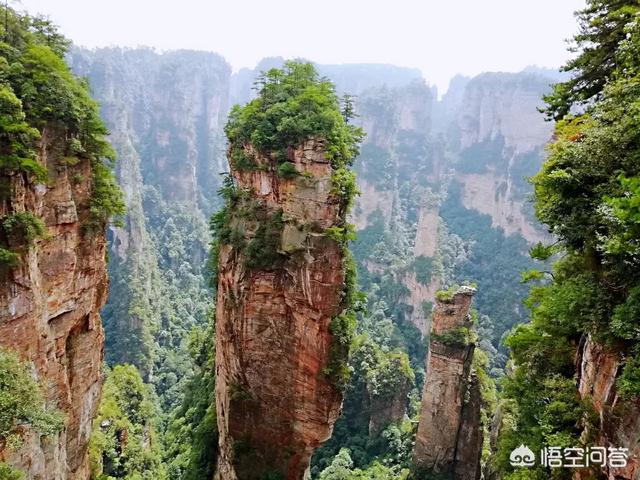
(49, 315)
(498, 125)
(449, 437)
(165, 112)
(618, 419)
(274, 403)
(387, 410)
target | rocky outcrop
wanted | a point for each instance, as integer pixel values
(493, 194)
(173, 107)
(449, 437)
(388, 409)
(165, 112)
(49, 315)
(499, 134)
(618, 420)
(275, 403)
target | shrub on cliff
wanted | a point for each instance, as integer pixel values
(293, 105)
(22, 402)
(40, 97)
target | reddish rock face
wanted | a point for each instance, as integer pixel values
(449, 437)
(275, 405)
(618, 419)
(49, 315)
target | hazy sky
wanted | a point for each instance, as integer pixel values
(440, 37)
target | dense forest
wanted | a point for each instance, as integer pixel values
(282, 272)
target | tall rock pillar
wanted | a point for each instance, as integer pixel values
(449, 437)
(275, 305)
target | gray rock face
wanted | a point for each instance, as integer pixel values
(166, 114)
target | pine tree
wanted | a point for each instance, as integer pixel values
(602, 28)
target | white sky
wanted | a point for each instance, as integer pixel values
(440, 37)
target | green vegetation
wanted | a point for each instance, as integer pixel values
(379, 375)
(17, 138)
(446, 296)
(485, 155)
(263, 250)
(192, 435)
(241, 160)
(342, 469)
(293, 105)
(494, 260)
(7, 472)
(22, 403)
(39, 96)
(124, 443)
(287, 170)
(377, 166)
(22, 228)
(586, 194)
(457, 337)
(603, 27)
(18, 231)
(423, 267)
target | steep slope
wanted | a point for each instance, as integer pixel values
(165, 113)
(57, 196)
(500, 135)
(284, 316)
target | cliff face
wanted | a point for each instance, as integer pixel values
(449, 437)
(618, 420)
(398, 175)
(427, 163)
(49, 314)
(499, 134)
(274, 403)
(165, 113)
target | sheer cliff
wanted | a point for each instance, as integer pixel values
(165, 113)
(57, 195)
(444, 195)
(449, 437)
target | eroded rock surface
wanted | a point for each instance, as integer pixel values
(449, 437)
(618, 419)
(49, 315)
(275, 404)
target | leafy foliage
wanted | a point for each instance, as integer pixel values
(585, 193)
(124, 443)
(603, 26)
(457, 337)
(22, 403)
(342, 469)
(423, 267)
(7, 472)
(293, 105)
(40, 96)
(23, 228)
(192, 434)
